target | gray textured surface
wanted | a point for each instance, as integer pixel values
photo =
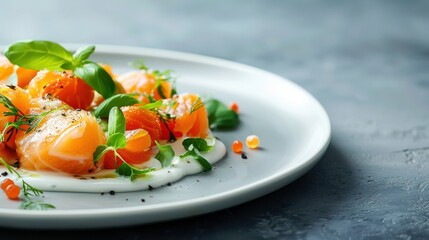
(366, 61)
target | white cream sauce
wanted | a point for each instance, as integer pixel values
(108, 180)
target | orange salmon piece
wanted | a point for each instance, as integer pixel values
(64, 142)
(136, 118)
(20, 99)
(145, 83)
(136, 151)
(191, 116)
(64, 86)
(25, 76)
(7, 68)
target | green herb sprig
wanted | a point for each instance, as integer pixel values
(116, 140)
(193, 146)
(21, 119)
(29, 193)
(40, 55)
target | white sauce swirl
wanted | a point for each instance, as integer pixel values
(107, 180)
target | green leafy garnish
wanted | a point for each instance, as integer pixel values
(198, 143)
(82, 54)
(40, 55)
(202, 161)
(191, 151)
(116, 122)
(220, 116)
(29, 193)
(165, 154)
(153, 105)
(118, 100)
(132, 172)
(116, 140)
(96, 77)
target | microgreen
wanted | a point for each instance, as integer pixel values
(139, 64)
(165, 154)
(116, 140)
(193, 151)
(40, 55)
(28, 192)
(220, 116)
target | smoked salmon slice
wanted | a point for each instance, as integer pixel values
(64, 142)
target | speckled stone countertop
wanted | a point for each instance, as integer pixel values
(366, 61)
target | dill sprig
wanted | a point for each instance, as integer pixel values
(20, 119)
(28, 192)
(197, 105)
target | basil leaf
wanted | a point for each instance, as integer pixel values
(116, 122)
(220, 116)
(95, 76)
(118, 100)
(82, 54)
(38, 55)
(202, 161)
(116, 140)
(99, 153)
(198, 143)
(165, 154)
(129, 171)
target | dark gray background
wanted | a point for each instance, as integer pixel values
(366, 61)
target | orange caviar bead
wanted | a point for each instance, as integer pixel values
(6, 183)
(12, 191)
(237, 146)
(234, 107)
(252, 141)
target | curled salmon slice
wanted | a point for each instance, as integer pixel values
(136, 151)
(190, 115)
(145, 83)
(64, 142)
(64, 86)
(24, 75)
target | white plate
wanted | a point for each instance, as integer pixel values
(293, 127)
